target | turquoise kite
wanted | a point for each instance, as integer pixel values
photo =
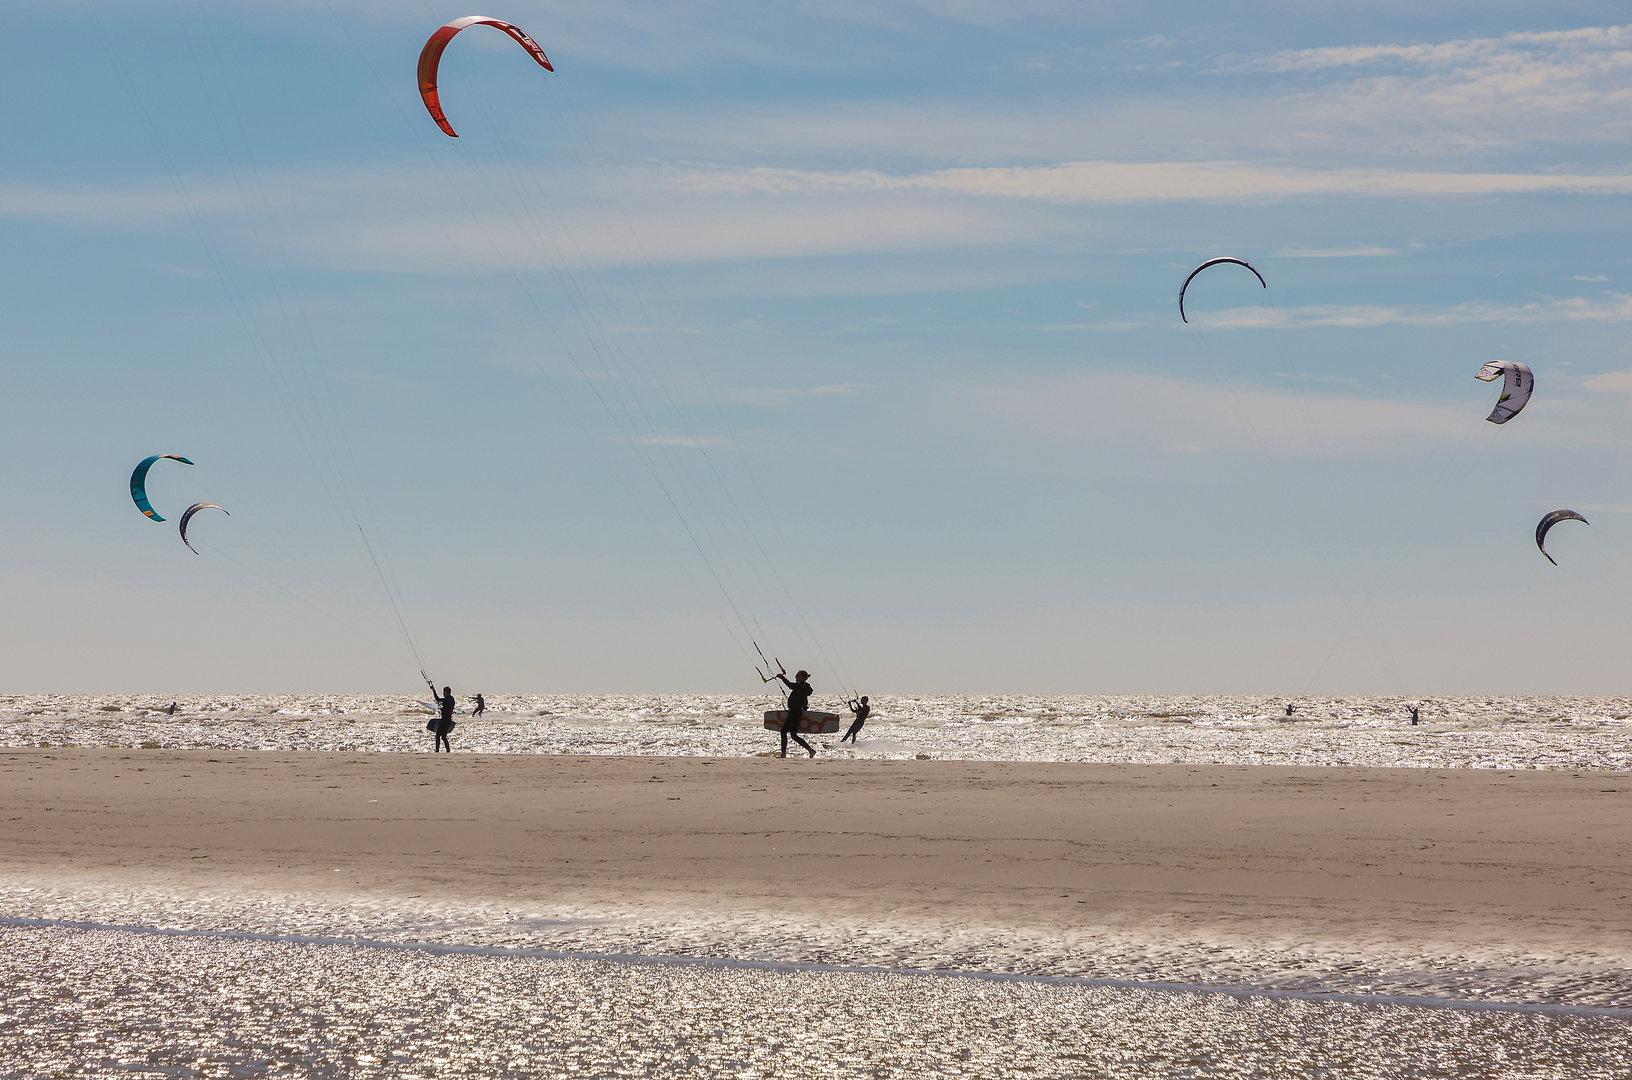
(138, 483)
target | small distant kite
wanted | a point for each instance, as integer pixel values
(188, 516)
(1548, 522)
(430, 57)
(138, 482)
(1517, 383)
(1215, 262)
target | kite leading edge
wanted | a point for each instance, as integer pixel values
(430, 58)
(138, 483)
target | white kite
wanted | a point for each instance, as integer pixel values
(1517, 383)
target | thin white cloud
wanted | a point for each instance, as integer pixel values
(1614, 382)
(1594, 46)
(138, 206)
(682, 440)
(1128, 182)
(1348, 105)
(699, 234)
(373, 221)
(1336, 253)
(1178, 416)
(1469, 94)
(1614, 308)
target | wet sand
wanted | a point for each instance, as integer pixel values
(1517, 860)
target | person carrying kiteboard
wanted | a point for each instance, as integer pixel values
(798, 701)
(443, 725)
(862, 711)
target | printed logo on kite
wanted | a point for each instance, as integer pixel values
(1517, 383)
(430, 59)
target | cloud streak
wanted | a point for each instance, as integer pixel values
(1614, 308)
(1176, 181)
(1153, 414)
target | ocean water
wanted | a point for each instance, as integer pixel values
(99, 1003)
(1486, 732)
(121, 977)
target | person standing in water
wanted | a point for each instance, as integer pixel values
(444, 723)
(1413, 715)
(798, 700)
(172, 709)
(481, 707)
(862, 710)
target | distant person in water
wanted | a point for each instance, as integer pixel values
(798, 701)
(1289, 710)
(481, 707)
(172, 709)
(862, 710)
(1413, 716)
(444, 723)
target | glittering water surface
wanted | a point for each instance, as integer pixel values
(1501, 733)
(104, 1003)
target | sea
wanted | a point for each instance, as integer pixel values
(141, 982)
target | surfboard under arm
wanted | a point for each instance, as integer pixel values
(812, 723)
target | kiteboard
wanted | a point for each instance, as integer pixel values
(812, 723)
(430, 725)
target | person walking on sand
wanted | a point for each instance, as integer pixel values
(862, 710)
(798, 700)
(481, 707)
(444, 723)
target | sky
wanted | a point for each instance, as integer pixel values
(842, 332)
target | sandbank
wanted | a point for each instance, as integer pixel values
(1405, 861)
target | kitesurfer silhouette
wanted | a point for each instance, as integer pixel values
(1413, 716)
(798, 699)
(481, 707)
(862, 710)
(444, 724)
(172, 709)
(1289, 710)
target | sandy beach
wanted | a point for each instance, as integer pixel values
(1326, 865)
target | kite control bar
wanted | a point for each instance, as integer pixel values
(762, 676)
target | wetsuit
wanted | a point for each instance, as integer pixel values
(445, 724)
(861, 712)
(798, 700)
(481, 707)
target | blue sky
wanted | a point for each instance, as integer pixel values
(849, 329)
